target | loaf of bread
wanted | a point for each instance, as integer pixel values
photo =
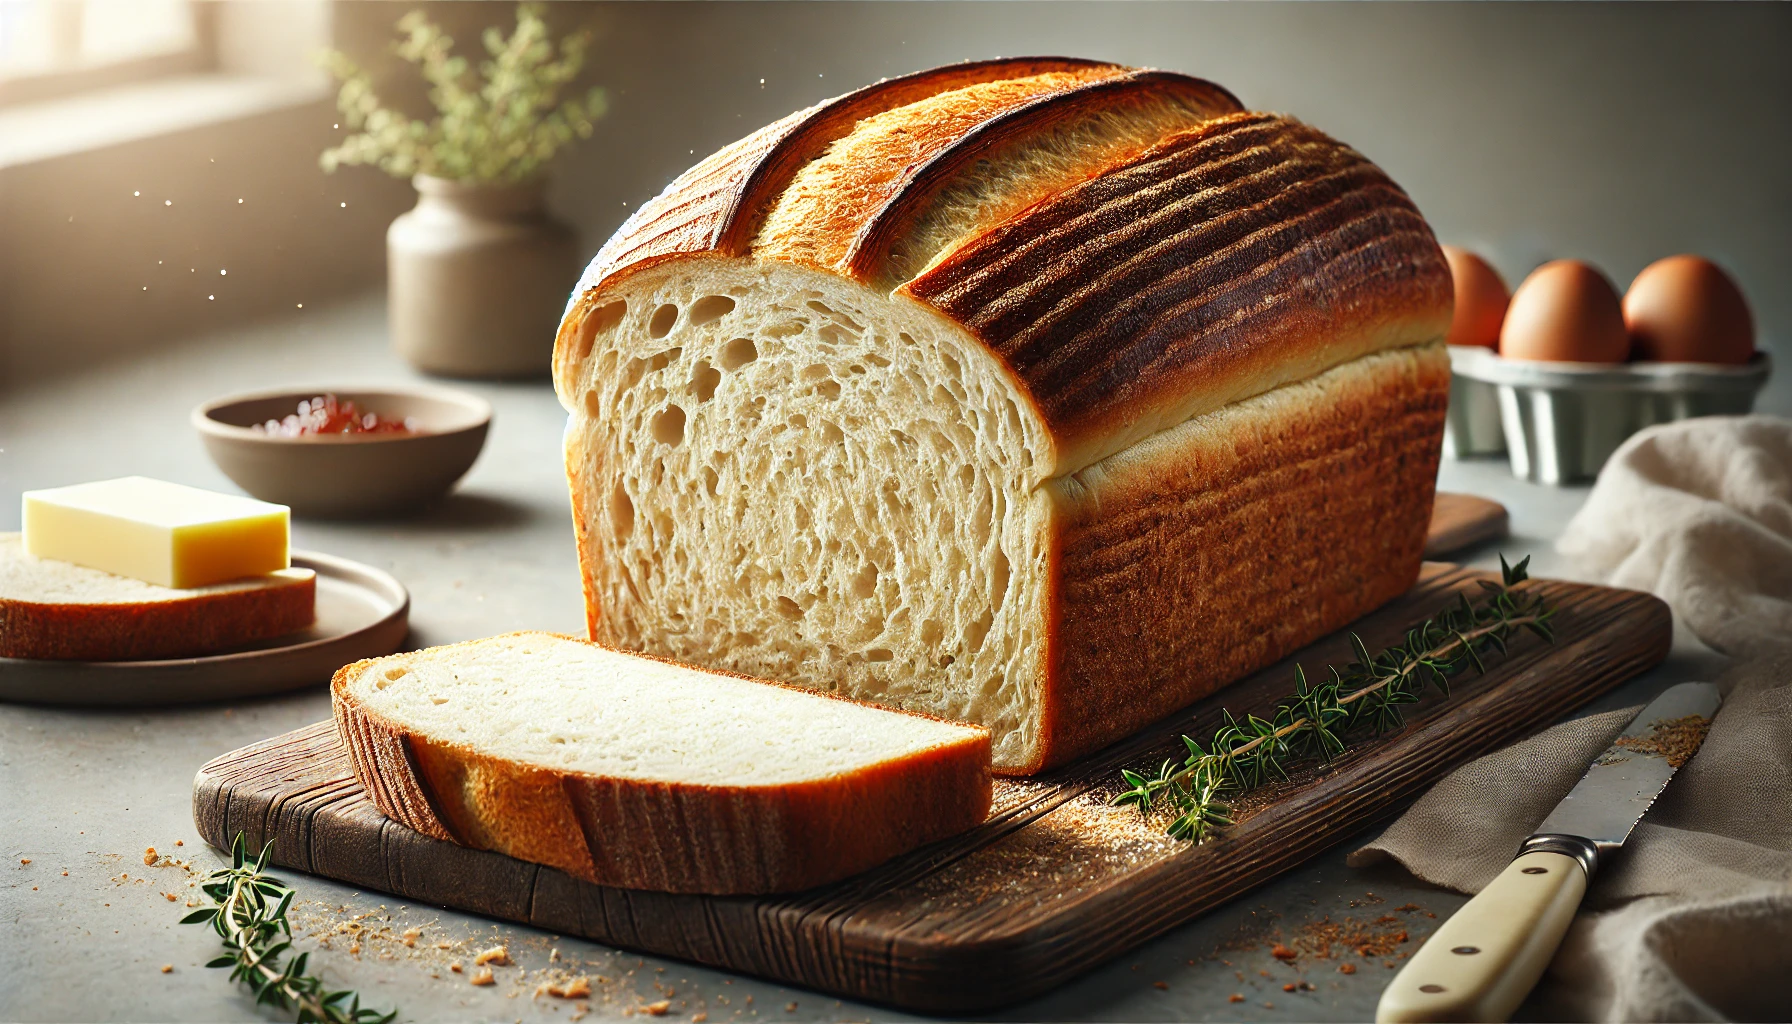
(1045, 394)
(59, 610)
(629, 771)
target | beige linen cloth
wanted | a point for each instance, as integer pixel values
(1692, 920)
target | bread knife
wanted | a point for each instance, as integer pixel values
(1480, 964)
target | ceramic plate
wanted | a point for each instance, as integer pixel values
(361, 613)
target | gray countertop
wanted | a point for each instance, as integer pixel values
(86, 928)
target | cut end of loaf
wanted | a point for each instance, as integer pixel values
(631, 771)
(786, 474)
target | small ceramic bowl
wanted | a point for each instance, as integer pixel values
(347, 476)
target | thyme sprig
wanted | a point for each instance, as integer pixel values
(1318, 721)
(250, 916)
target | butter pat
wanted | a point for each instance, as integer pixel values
(157, 532)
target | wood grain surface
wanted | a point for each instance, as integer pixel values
(1054, 883)
(1460, 521)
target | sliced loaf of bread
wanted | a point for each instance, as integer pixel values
(631, 771)
(1041, 393)
(58, 610)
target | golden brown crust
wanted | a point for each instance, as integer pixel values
(152, 630)
(839, 215)
(665, 836)
(717, 206)
(1197, 564)
(868, 252)
(1239, 255)
(381, 756)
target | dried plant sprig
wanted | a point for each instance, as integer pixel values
(501, 125)
(1318, 721)
(249, 914)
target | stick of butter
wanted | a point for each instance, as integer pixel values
(157, 532)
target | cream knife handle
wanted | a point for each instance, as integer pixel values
(1484, 960)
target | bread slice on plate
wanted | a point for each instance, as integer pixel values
(61, 611)
(631, 771)
(1041, 393)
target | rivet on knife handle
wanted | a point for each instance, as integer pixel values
(1483, 961)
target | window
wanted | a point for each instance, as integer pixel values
(56, 47)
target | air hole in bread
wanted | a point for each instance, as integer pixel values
(603, 318)
(663, 320)
(668, 426)
(998, 579)
(438, 701)
(594, 403)
(788, 608)
(976, 630)
(622, 511)
(738, 353)
(828, 389)
(826, 310)
(876, 360)
(831, 434)
(878, 654)
(710, 481)
(710, 308)
(661, 360)
(704, 380)
(394, 673)
(864, 582)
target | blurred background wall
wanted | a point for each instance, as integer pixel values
(1615, 133)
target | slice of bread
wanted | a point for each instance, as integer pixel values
(62, 611)
(631, 771)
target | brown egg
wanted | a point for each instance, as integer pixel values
(1481, 298)
(1685, 309)
(1566, 311)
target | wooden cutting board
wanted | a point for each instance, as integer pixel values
(1054, 883)
(1459, 521)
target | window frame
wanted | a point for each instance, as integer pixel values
(57, 83)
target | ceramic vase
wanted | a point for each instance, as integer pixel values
(477, 277)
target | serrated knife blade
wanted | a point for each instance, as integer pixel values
(1623, 782)
(1480, 964)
